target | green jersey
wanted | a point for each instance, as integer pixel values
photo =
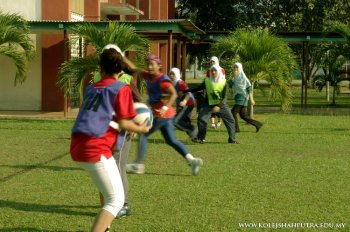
(214, 91)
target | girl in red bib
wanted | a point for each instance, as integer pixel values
(93, 139)
(162, 95)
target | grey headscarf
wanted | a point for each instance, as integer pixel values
(241, 82)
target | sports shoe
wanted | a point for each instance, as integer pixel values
(213, 125)
(135, 168)
(193, 133)
(125, 211)
(195, 164)
(233, 141)
(258, 128)
(218, 124)
(201, 141)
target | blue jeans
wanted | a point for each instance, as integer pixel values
(166, 126)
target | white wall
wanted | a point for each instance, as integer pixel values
(29, 9)
(26, 96)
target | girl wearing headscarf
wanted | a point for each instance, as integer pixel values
(184, 105)
(215, 61)
(215, 87)
(162, 95)
(242, 92)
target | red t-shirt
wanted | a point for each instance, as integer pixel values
(164, 85)
(182, 87)
(85, 148)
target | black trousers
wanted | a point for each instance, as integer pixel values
(242, 111)
(182, 121)
(226, 116)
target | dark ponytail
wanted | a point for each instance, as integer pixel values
(111, 61)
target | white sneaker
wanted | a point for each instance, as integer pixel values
(213, 125)
(218, 124)
(135, 168)
(195, 164)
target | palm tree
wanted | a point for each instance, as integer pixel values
(332, 63)
(344, 30)
(264, 57)
(15, 43)
(73, 73)
(333, 57)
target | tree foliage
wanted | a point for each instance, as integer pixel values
(15, 43)
(73, 73)
(264, 57)
(332, 58)
(277, 15)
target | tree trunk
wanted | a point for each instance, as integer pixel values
(327, 91)
(334, 89)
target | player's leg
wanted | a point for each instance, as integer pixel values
(229, 122)
(121, 158)
(218, 124)
(179, 119)
(212, 120)
(236, 110)
(244, 115)
(106, 177)
(169, 136)
(182, 121)
(137, 166)
(203, 117)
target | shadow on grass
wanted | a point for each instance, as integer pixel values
(35, 166)
(32, 167)
(33, 207)
(31, 229)
(165, 174)
(318, 131)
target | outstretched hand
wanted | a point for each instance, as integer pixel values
(183, 103)
(216, 109)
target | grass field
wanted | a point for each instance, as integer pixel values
(315, 98)
(296, 170)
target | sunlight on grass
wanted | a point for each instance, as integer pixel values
(294, 170)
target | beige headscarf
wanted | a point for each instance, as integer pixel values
(220, 76)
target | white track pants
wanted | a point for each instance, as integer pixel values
(106, 177)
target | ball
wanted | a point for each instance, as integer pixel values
(143, 114)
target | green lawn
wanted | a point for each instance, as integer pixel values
(315, 98)
(296, 170)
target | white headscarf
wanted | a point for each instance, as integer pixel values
(220, 76)
(241, 82)
(108, 46)
(215, 59)
(177, 75)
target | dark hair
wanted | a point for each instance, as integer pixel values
(111, 61)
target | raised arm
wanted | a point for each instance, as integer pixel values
(136, 80)
(196, 89)
(130, 66)
(250, 93)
